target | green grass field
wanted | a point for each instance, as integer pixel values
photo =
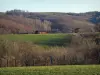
(53, 70)
(41, 39)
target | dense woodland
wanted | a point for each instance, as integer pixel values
(19, 21)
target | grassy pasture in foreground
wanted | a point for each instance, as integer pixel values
(53, 70)
(40, 39)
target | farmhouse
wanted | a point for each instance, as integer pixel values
(40, 32)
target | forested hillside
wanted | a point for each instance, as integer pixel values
(19, 21)
(20, 24)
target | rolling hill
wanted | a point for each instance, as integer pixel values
(18, 21)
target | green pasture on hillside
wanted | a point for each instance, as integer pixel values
(53, 70)
(42, 39)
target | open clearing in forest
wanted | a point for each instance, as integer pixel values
(40, 39)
